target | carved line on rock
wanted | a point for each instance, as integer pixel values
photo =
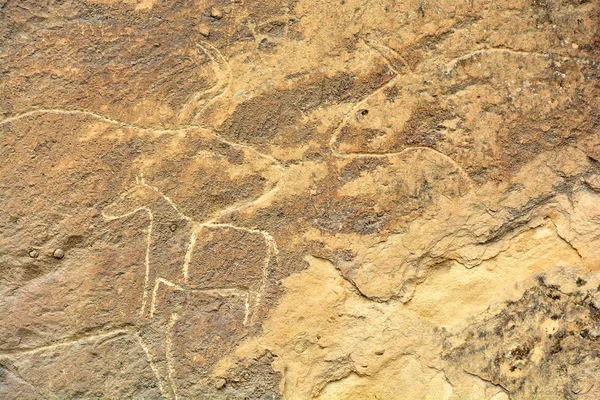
(168, 349)
(381, 49)
(101, 117)
(98, 334)
(272, 250)
(224, 80)
(147, 252)
(454, 62)
(102, 333)
(140, 181)
(179, 129)
(251, 310)
(188, 255)
(155, 292)
(337, 153)
(153, 367)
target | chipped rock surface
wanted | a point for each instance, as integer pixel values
(300, 199)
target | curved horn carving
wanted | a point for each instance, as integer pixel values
(203, 99)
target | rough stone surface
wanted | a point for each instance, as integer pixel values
(300, 199)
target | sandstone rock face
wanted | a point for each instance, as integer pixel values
(300, 199)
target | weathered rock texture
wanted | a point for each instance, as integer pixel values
(298, 199)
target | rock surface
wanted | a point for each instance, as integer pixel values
(300, 199)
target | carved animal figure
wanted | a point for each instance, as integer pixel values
(185, 257)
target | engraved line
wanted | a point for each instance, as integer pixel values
(66, 342)
(148, 242)
(224, 66)
(355, 107)
(220, 87)
(459, 169)
(236, 207)
(454, 62)
(188, 255)
(168, 347)
(272, 251)
(246, 309)
(155, 292)
(224, 291)
(269, 240)
(147, 263)
(381, 49)
(344, 122)
(234, 144)
(153, 366)
(142, 182)
(181, 128)
(100, 117)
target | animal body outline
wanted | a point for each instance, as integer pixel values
(154, 281)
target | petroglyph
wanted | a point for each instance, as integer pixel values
(390, 55)
(130, 202)
(336, 196)
(109, 352)
(100, 117)
(150, 360)
(444, 159)
(157, 284)
(161, 210)
(145, 129)
(168, 352)
(84, 337)
(118, 209)
(191, 111)
(200, 101)
(452, 64)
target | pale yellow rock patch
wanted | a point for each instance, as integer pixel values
(452, 294)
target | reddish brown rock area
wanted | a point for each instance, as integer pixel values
(300, 199)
